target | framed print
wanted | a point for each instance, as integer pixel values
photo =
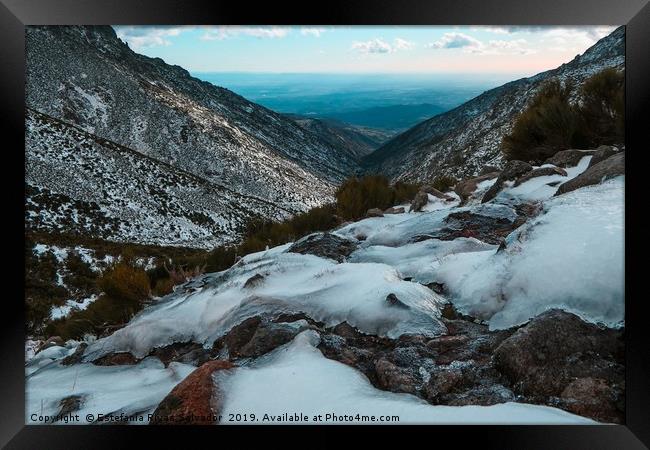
(372, 217)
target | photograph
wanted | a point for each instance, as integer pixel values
(324, 224)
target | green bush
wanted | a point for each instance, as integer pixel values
(551, 123)
(125, 281)
(357, 195)
(548, 125)
(444, 183)
(603, 107)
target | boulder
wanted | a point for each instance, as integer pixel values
(326, 245)
(256, 336)
(465, 188)
(197, 400)
(489, 229)
(116, 359)
(394, 378)
(420, 200)
(488, 170)
(70, 404)
(54, 341)
(392, 300)
(511, 171)
(568, 158)
(602, 153)
(76, 356)
(604, 170)
(374, 212)
(183, 352)
(595, 398)
(254, 281)
(541, 172)
(436, 193)
(554, 349)
(394, 210)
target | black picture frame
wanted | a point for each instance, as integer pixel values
(635, 14)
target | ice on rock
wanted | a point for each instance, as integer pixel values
(418, 260)
(135, 389)
(401, 233)
(538, 188)
(298, 378)
(327, 292)
(570, 257)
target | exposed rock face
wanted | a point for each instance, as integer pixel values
(76, 357)
(436, 193)
(184, 352)
(392, 300)
(326, 245)
(96, 95)
(254, 281)
(511, 171)
(257, 336)
(465, 188)
(568, 158)
(602, 153)
(70, 404)
(374, 212)
(596, 398)
(196, 400)
(489, 229)
(420, 200)
(604, 170)
(394, 210)
(542, 359)
(116, 359)
(541, 172)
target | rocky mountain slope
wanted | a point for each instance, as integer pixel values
(461, 141)
(357, 140)
(86, 78)
(79, 183)
(504, 309)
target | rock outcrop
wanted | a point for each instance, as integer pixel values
(511, 171)
(326, 245)
(604, 170)
(197, 400)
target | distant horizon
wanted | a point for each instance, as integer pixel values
(419, 50)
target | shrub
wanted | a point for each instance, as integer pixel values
(603, 107)
(125, 281)
(357, 195)
(100, 317)
(404, 192)
(548, 125)
(444, 183)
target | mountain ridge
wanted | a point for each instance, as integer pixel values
(461, 141)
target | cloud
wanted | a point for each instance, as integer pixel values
(226, 32)
(316, 32)
(456, 40)
(372, 46)
(380, 46)
(148, 36)
(403, 44)
(469, 44)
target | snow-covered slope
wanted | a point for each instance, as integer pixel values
(299, 314)
(88, 78)
(79, 183)
(461, 141)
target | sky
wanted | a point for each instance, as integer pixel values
(363, 49)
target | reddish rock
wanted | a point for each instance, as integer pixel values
(116, 359)
(595, 398)
(196, 400)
